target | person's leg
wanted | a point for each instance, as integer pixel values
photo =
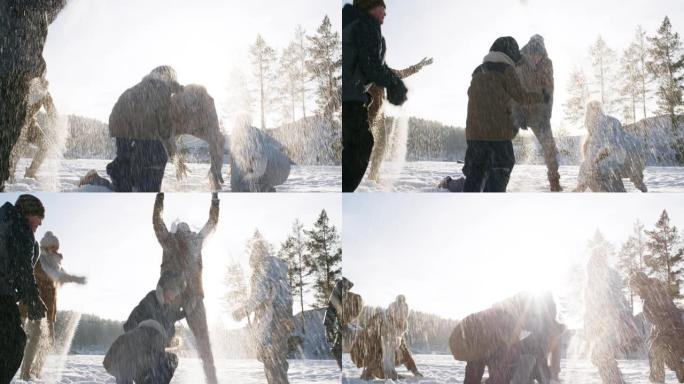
(197, 321)
(337, 350)
(476, 167)
(656, 364)
(542, 130)
(357, 145)
(119, 170)
(474, 372)
(41, 153)
(603, 358)
(31, 350)
(378, 154)
(152, 158)
(503, 160)
(524, 370)
(638, 180)
(278, 365)
(12, 339)
(13, 107)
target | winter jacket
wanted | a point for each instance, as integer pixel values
(270, 300)
(18, 256)
(334, 322)
(143, 112)
(182, 251)
(137, 351)
(363, 49)
(659, 308)
(23, 31)
(258, 163)
(150, 308)
(536, 79)
(382, 342)
(493, 87)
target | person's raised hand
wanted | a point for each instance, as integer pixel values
(397, 93)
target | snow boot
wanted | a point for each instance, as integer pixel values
(554, 182)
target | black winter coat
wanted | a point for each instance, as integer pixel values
(18, 255)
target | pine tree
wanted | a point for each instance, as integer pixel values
(288, 75)
(263, 59)
(301, 53)
(325, 66)
(603, 61)
(665, 255)
(326, 255)
(578, 97)
(236, 285)
(631, 82)
(294, 252)
(640, 50)
(631, 258)
(667, 68)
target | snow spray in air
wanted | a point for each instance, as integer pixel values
(396, 151)
(54, 367)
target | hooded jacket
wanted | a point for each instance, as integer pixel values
(493, 87)
(143, 112)
(151, 308)
(18, 256)
(363, 50)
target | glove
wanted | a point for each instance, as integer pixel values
(36, 310)
(397, 93)
(82, 280)
(547, 96)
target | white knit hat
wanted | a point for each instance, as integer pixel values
(49, 240)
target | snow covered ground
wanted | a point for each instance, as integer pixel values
(424, 177)
(88, 369)
(68, 173)
(439, 369)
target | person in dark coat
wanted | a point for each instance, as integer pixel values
(23, 30)
(363, 52)
(139, 355)
(18, 256)
(141, 122)
(334, 318)
(666, 343)
(490, 128)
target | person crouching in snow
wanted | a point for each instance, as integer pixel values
(258, 163)
(493, 338)
(490, 130)
(182, 254)
(271, 302)
(666, 342)
(49, 276)
(535, 71)
(140, 355)
(610, 153)
(381, 345)
(343, 307)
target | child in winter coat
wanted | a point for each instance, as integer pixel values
(49, 276)
(139, 355)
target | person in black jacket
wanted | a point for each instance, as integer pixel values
(18, 256)
(140, 354)
(333, 321)
(363, 64)
(23, 30)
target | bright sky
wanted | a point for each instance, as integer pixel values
(109, 238)
(96, 49)
(458, 35)
(452, 257)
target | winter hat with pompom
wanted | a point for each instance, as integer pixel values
(49, 240)
(508, 46)
(366, 5)
(535, 46)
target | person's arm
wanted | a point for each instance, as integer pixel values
(412, 70)
(369, 41)
(158, 221)
(516, 91)
(58, 274)
(140, 313)
(210, 225)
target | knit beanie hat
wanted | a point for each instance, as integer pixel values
(508, 46)
(366, 5)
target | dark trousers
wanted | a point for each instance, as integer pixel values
(12, 339)
(161, 370)
(357, 144)
(13, 91)
(139, 165)
(488, 166)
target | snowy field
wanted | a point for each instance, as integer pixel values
(439, 369)
(88, 369)
(424, 177)
(68, 172)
